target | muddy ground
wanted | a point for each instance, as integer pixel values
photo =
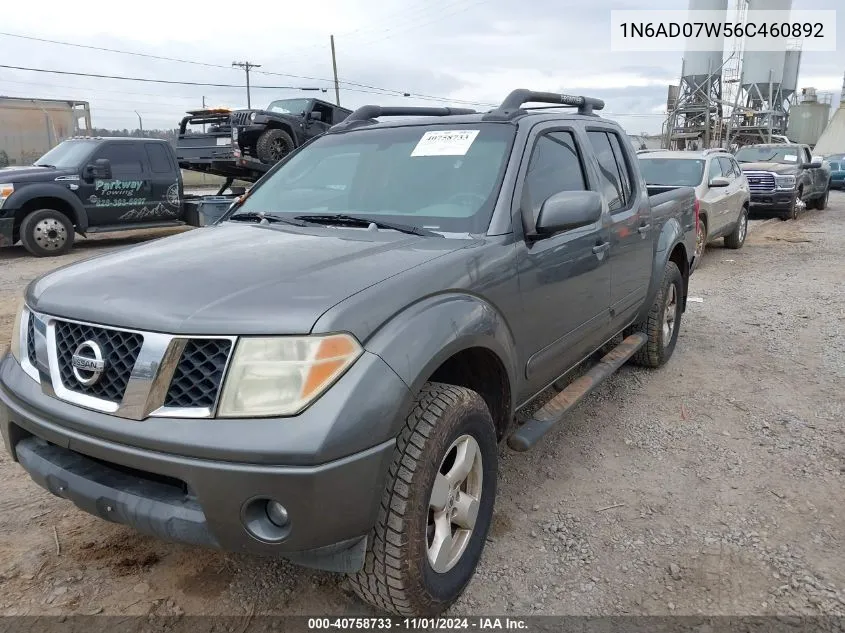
(713, 486)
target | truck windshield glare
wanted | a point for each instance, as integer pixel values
(67, 155)
(443, 178)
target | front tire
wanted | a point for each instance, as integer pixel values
(821, 203)
(737, 237)
(663, 321)
(46, 233)
(437, 506)
(273, 145)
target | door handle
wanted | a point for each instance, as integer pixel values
(601, 248)
(645, 228)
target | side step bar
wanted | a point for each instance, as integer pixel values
(527, 435)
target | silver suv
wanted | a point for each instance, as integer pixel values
(721, 190)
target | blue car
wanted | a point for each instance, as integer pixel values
(837, 172)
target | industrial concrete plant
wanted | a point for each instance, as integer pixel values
(738, 99)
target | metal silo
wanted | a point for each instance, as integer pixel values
(791, 67)
(762, 69)
(808, 119)
(695, 111)
(698, 65)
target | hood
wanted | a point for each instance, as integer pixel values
(31, 173)
(231, 278)
(775, 168)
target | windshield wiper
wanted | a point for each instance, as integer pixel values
(266, 217)
(362, 221)
(44, 165)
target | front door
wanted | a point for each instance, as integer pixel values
(564, 278)
(716, 201)
(631, 230)
(126, 197)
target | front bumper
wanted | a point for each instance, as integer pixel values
(774, 201)
(203, 501)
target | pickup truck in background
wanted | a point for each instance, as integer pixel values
(96, 185)
(329, 372)
(784, 178)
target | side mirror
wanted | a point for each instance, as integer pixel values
(237, 191)
(569, 210)
(100, 168)
(720, 181)
(315, 116)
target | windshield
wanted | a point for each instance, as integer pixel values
(67, 155)
(834, 166)
(784, 155)
(439, 178)
(676, 172)
(289, 106)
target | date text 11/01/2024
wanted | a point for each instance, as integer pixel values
(418, 624)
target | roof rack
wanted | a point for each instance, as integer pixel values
(368, 113)
(512, 105)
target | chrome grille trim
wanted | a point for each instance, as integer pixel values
(766, 184)
(149, 380)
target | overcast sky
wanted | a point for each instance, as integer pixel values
(454, 50)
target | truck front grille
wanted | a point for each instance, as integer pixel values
(120, 351)
(30, 341)
(199, 374)
(239, 118)
(760, 181)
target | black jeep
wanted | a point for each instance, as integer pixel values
(284, 125)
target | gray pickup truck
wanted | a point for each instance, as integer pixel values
(326, 373)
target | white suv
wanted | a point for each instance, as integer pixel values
(721, 190)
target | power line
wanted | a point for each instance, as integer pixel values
(377, 89)
(155, 81)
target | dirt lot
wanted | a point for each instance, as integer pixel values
(714, 485)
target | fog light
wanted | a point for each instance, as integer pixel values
(277, 514)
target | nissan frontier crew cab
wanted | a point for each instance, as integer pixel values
(325, 374)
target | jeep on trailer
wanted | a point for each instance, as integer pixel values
(269, 135)
(96, 185)
(324, 374)
(784, 179)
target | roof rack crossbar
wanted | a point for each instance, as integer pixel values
(516, 99)
(367, 112)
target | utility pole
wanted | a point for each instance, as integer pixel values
(247, 66)
(140, 123)
(203, 107)
(334, 68)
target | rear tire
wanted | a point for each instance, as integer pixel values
(449, 431)
(273, 145)
(663, 321)
(737, 237)
(47, 233)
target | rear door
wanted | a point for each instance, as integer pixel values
(165, 199)
(125, 196)
(631, 245)
(564, 278)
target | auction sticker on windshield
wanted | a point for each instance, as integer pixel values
(791, 158)
(445, 143)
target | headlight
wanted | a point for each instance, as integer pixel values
(785, 182)
(6, 190)
(271, 376)
(252, 116)
(15, 343)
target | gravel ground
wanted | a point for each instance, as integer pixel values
(713, 486)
